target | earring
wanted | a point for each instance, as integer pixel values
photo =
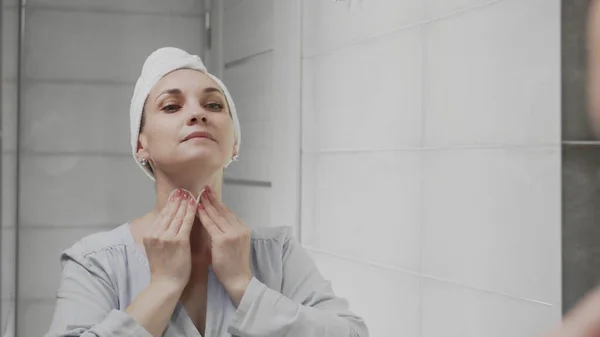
(235, 158)
(143, 161)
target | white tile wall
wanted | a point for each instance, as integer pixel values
(82, 191)
(455, 311)
(250, 203)
(353, 201)
(7, 268)
(187, 7)
(492, 220)
(8, 308)
(10, 3)
(9, 188)
(387, 300)
(9, 117)
(329, 25)
(253, 164)
(34, 317)
(436, 8)
(76, 118)
(250, 84)
(252, 32)
(121, 43)
(496, 83)
(471, 206)
(39, 258)
(366, 96)
(10, 40)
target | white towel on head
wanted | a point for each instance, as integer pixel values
(160, 63)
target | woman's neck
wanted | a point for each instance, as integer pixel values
(166, 185)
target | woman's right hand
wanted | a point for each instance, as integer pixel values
(167, 244)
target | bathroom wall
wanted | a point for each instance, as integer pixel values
(76, 176)
(432, 162)
(8, 162)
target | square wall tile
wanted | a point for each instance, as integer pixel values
(54, 120)
(253, 164)
(34, 317)
(10, 3)
(250, 203)
(249, 30)
(231, 3)
(83, 191)
(8, 260)
(9, 190)
(257, 135)
(454, 311)
(347, 105)
(187, 7)
(7, 320)
(39, 263)
(580, 230)
(387, 300)
(330, 25)
(9, 116)
(364, 205)
(250, 84)
(489, 82)
(10, 43)
(121, 43)
(491, 214)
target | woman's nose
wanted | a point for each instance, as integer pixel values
(197, 116)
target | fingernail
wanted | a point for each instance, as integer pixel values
(200, 206)
(185, 196)
(173, 195)
(191, 201)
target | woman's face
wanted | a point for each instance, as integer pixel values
(186, 124)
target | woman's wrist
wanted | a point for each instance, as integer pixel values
(237, 289)
(169, 289)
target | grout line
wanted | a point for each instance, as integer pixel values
(422, 165)
(246, 182)
(48, 227)
(245, 59)
(402, 28)
(505, 146)
(78, 81)
(413, 273)
(18, 147)
(123, 11)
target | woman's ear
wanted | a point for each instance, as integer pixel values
(141, 149)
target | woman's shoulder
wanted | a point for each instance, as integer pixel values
(96, 243)
(278, 234)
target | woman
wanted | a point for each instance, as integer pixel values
(190, 267)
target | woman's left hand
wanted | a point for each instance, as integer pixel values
(230, 249)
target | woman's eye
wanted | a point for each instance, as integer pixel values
(214, 106)
(171, 108)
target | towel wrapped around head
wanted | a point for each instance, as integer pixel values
(160, 63)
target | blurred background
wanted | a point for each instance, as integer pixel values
(416, 146)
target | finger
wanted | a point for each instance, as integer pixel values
(233, 219)
(169, 211)
(221, 208)
(188, 220)
(214, 214)
(178, 218)
(212, 228)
